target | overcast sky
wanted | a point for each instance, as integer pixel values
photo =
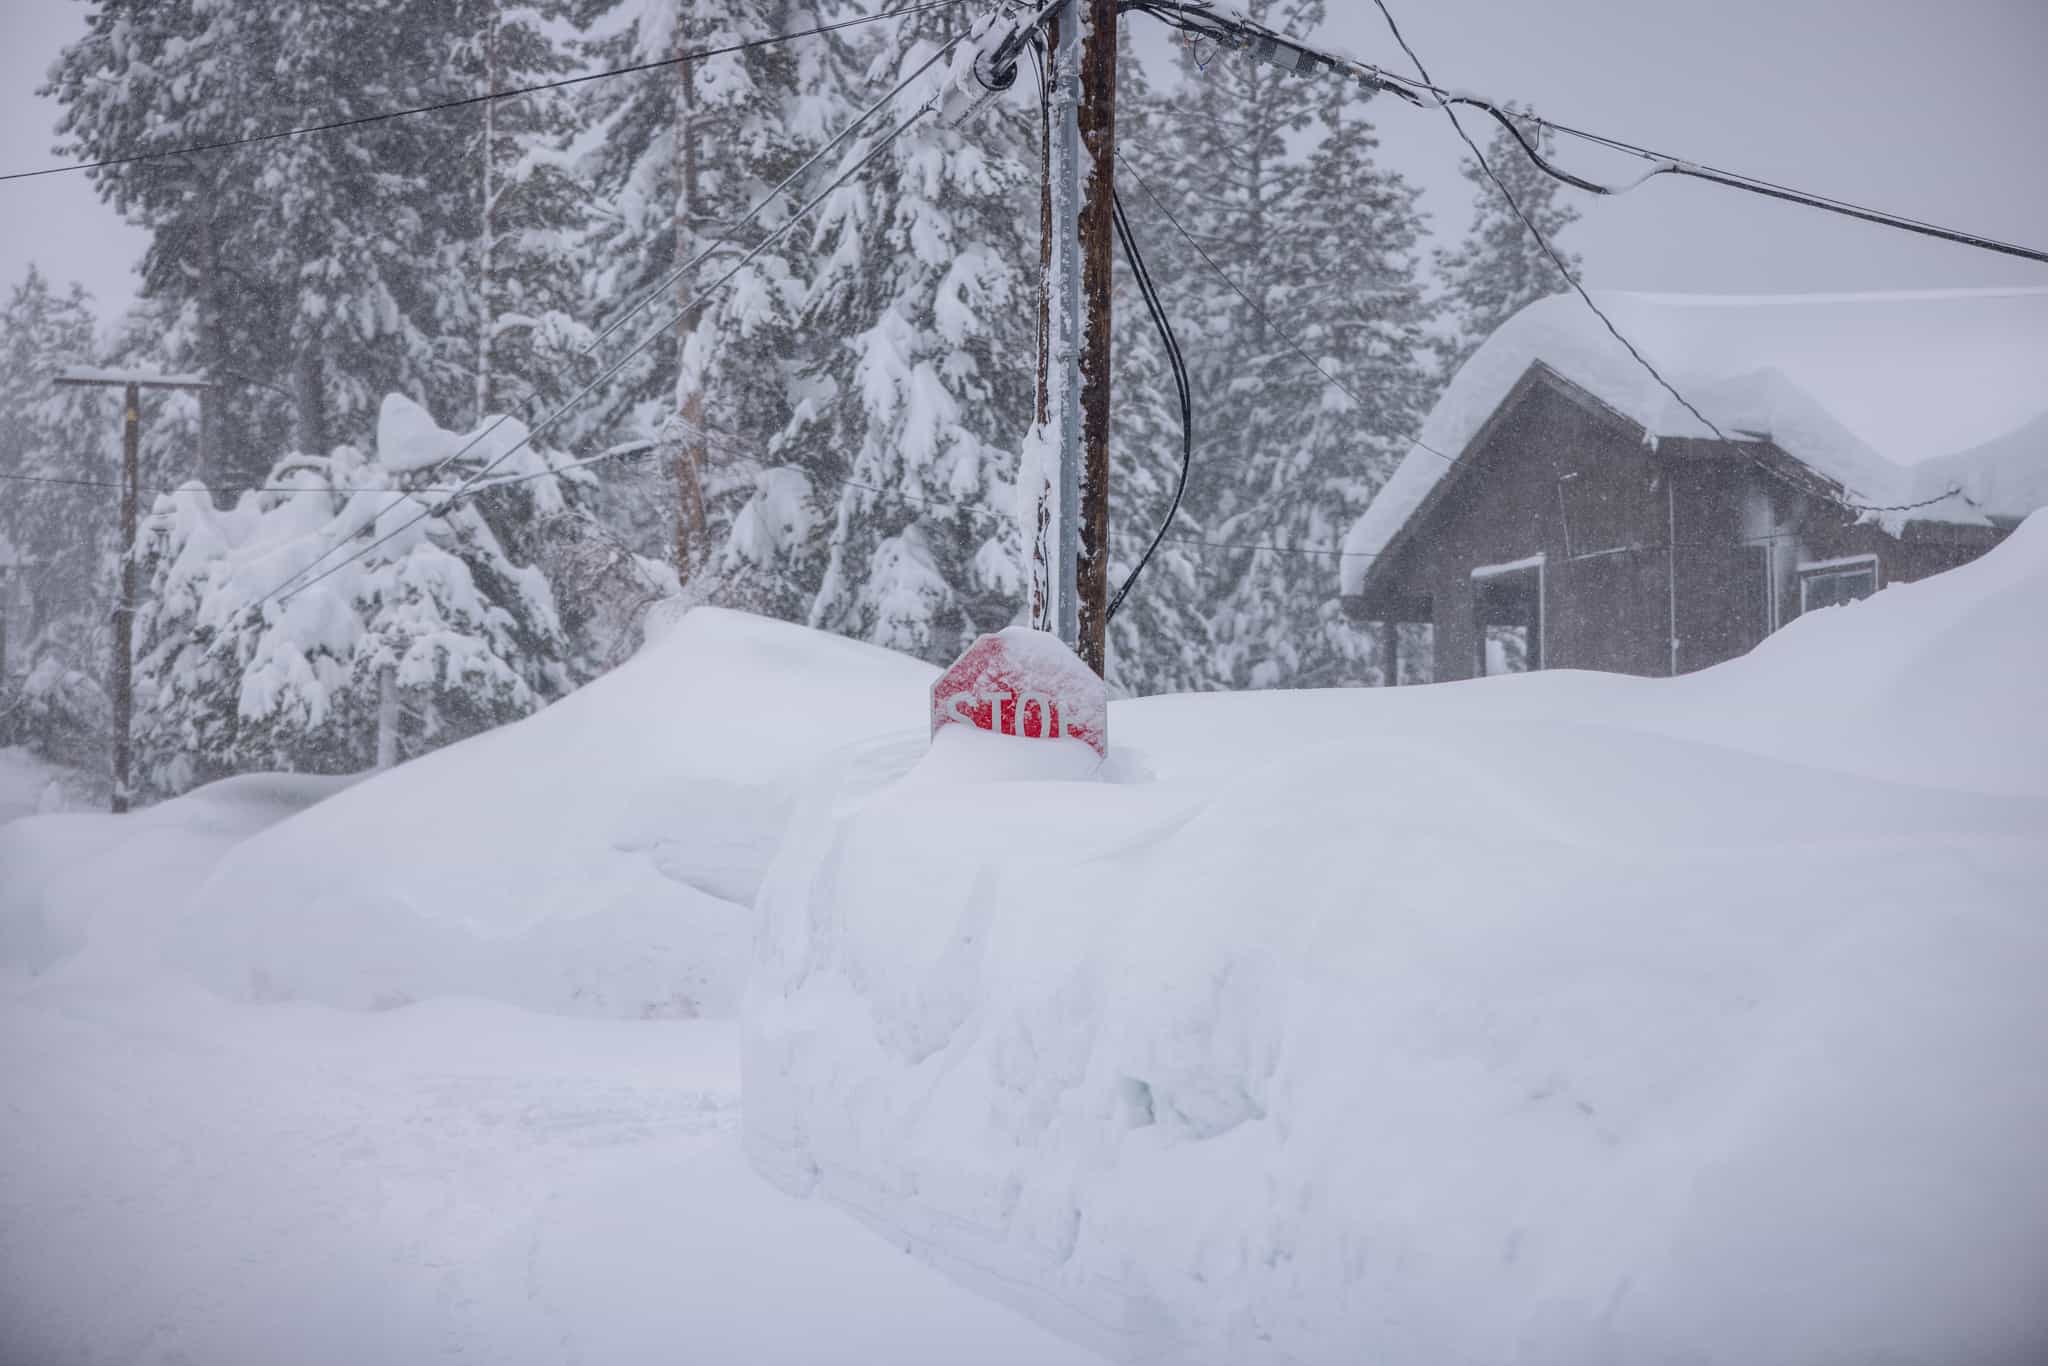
(1928, 109)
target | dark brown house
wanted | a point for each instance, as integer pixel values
(1558, 521)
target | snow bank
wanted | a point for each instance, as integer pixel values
(73, 881)
(29, 784)
(1558, 1018)
(596, 858)
(197, 1181)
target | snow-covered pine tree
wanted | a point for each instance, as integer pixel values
(917, 384)
(1499, 269)
(447, 618)
(1325, 245)
(152, 75)
(676, 158)
(60, 537)
(310, 273)
(528, 212)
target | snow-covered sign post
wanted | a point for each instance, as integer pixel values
(1031, 683)
(1024, 683)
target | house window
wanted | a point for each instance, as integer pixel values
(1507, 604)
(1830, 583)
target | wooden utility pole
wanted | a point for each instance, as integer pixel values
(1098, 139)
(1070, 587)
(132, 386)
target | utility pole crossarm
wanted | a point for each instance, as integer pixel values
(80, 376)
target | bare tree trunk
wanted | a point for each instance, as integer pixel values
(124, 611)
(387, 716)
(309, 400)
(689, 458)
(210, 466)
(487, 234)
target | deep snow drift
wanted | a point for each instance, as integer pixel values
(265, 1179)
(599, 858)
(29, 785)
(1561, 1018)
(1555, 1018)
(191, 1179)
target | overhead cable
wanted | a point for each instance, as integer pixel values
(1808, 487)
(385, 116)
(1292, 340)
(1180, 383)
(882, 144)
(721, 240)
(765, 200)
(1233, 29)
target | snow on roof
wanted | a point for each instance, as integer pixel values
(1863, 388)
(2006, 476)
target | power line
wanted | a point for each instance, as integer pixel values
(1167, 340)
(1181, 391)
(467, 101)
(1283, 333)
(196, 486)
(1233, 30)
(1278, 549)
(1678, 166)
(1809, 488)
(723, 238)
(882, 144)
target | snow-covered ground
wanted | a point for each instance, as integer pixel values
(600, 858)
(188, 1178)
(28, 785)
(1558, 1018)
(1562, 1018)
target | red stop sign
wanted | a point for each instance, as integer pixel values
(1024, 683)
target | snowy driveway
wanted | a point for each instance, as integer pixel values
(184, 1180)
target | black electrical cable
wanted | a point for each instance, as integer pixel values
(1235, 32)
(1174, 359)
(1180, 382)
(669, 281)
(723, 238)
(1666, 165)
(387, 115)
(1293, 341)
(1810, 488)
(475, 484)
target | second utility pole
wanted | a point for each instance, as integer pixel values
(1072, 598)
(132, 384)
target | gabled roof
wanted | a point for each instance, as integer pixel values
(1861, 388)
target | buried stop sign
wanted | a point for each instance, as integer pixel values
(1024, 683)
